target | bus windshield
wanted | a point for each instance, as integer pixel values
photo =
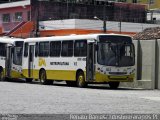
(17, 53)
(3, 49)
(115, 54)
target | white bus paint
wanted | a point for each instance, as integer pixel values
(80, 69)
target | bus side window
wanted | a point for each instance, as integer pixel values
(67, 48)
(80, 48)
(43, 49)
(55, 48)
(36, 49)
(26, 50)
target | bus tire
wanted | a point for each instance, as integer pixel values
(29, 80)
(43, 78)
(2, 75)
(114, 85)
(81, 80)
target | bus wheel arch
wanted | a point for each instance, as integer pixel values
(80, 78)
(43, 77)
(1, 73)
(42, 69)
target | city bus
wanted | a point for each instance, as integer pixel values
(80, 59)
(10, 57)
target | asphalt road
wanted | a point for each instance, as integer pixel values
(25, 98)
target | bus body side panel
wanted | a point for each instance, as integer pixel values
(61, 74)
(29, 61)
(63, 68)
(25, 67)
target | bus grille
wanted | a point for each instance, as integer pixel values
(117, 73)
(118, 78)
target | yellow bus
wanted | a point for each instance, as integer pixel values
(80, 59)
(10, 57)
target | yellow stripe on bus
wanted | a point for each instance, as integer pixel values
(71, 75)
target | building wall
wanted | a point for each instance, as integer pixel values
(147, 65)
(0, 30)
(11, 8)
(7, 26)
(156, 3)
(93, 25)
(112, 12)
(157, 83)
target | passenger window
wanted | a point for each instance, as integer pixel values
(26, 50)
(43, 49)
(67, 48)
(80, 48)
(55, 49)
(36, 49)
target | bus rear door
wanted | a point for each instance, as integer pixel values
(8, 61)
(31, 60)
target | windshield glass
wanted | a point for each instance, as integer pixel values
(17, 56)
(2, 49)
(17, 53)
(115, 54)
(126, 55)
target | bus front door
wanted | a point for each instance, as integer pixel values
(8, 61)
(31, 60)
(90, 64)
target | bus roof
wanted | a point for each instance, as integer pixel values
(69, 37)
(9, 40)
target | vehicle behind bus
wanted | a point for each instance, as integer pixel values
(8, 57)
(80, 59)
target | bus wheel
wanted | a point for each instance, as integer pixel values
(81, 80)
(114, 85)
(1, 75)
(43, 78)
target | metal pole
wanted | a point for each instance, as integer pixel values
(37, 21)
(104, 26)
(120, 22)
(104, 17)
(67, 10)
(120, 25)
